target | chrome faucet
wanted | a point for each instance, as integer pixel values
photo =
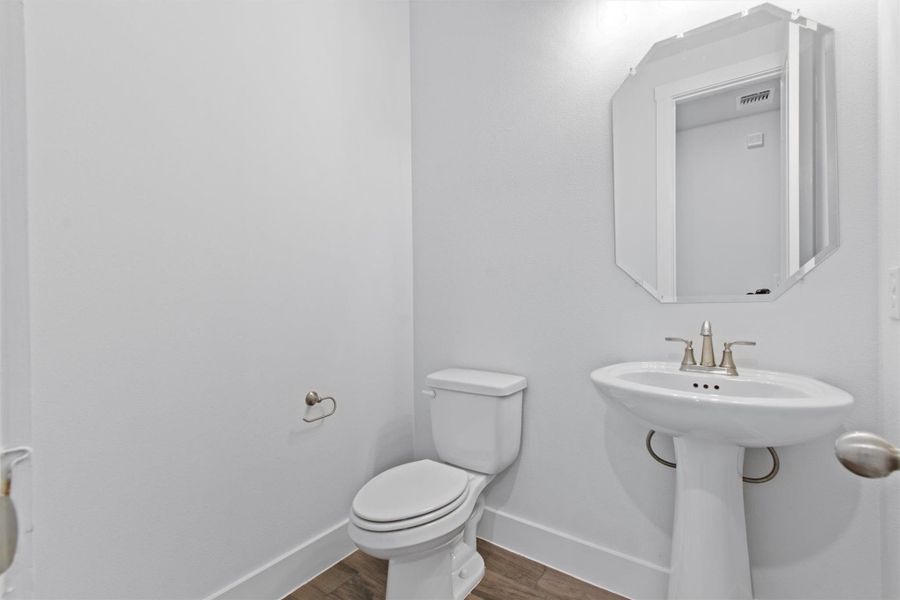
(707, 354)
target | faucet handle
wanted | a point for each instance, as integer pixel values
(728, 345)
(688, 358)
(728, 357)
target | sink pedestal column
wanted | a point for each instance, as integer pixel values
(709, 542)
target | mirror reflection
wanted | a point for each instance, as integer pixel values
(725, 173)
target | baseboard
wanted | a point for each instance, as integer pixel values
(278, 578)
(614, 571)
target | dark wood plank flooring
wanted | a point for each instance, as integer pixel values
(508, 576)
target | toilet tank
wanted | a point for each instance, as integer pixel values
(476, 418)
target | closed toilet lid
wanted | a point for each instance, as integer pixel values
(410, 490)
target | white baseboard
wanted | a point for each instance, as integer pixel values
(292, 569)
(614, 571)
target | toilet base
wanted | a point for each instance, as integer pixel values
(468, 576)
(450, 572)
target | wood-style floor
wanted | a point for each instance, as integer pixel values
(508, 576)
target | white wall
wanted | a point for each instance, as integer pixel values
(220, 222)
(514, 270)
(15, 405)
(729, 207)
(889, 257)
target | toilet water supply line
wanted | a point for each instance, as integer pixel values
(776, 463)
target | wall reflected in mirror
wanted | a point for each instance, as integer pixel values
(728, 191)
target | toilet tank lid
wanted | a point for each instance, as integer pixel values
(472, 381)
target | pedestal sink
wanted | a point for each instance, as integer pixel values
(712, 419)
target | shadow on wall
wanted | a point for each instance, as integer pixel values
(778, 535)
(393, 445)
(791, 532)
(623, 438)
(393, 441)
(501, 489)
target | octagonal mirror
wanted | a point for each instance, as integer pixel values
(724, 159)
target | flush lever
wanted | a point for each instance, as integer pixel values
(313, 398)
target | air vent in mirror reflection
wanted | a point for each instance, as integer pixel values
(754, 99)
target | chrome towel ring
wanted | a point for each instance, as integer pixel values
(313, 398)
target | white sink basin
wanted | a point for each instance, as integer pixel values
(753, 409)
(713, 418)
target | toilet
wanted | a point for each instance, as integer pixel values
(422, 516)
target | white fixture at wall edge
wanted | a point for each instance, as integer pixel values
(713, 418)
(423, 516)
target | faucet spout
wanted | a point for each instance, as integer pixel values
(707, 354)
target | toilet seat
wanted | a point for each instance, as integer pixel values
(408, 541)
(425, 519)
(409, 495)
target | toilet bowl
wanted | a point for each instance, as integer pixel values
(431, 554)
(422, 516)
